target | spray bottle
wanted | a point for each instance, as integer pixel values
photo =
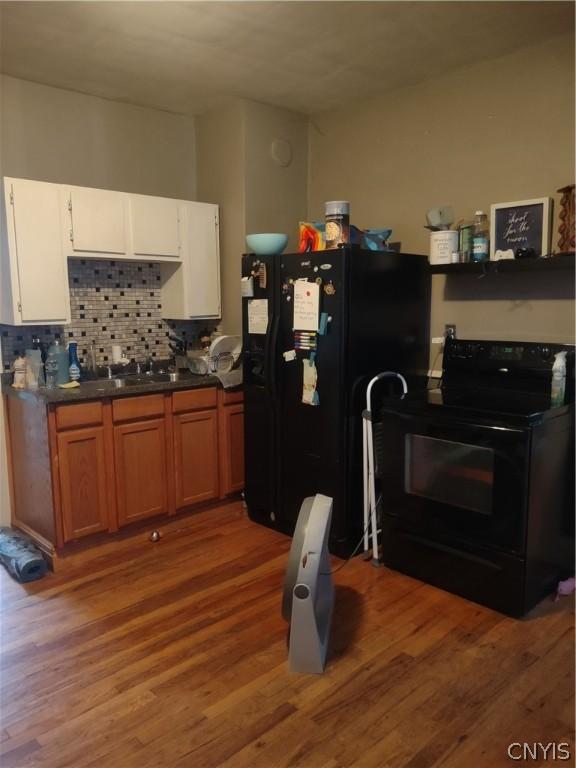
(558, 379)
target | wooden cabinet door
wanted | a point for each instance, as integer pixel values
(196, 457)
(141, 470)
(155, 226)
(202, 263)
(37, 269)
(83, 481)
(98, 221)
(232, 448)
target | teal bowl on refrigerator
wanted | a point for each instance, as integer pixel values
(266, 243)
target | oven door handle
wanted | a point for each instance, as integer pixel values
(493, 429)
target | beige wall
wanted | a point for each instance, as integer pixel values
(499, 131)
(220, 168)
(237, 170)
(276, 194)
(55, 135)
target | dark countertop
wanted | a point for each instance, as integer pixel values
(102, 388)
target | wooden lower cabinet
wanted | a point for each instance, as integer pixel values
(140, 462)
(83, 482)
(93, 466)
(232, 448)
(196, 457)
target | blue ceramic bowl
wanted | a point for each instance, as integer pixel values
(266, 243)
(375, 239)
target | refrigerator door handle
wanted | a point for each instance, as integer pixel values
(271, 357)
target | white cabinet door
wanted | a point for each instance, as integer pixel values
(38, 270)
(98, 221)
(155, 226)
(202, 267)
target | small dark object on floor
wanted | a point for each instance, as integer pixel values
(21, 558)
(155, 536)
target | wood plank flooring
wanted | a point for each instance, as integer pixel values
(173, 655)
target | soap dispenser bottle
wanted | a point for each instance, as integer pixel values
(74, 362)
(558, 379)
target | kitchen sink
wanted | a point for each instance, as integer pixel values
(151, 378)
(103, 385)
(137, 380)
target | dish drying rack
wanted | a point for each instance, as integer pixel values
(202, 363)
(221, 357)
(221, 363)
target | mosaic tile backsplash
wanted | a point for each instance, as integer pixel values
(112, 302)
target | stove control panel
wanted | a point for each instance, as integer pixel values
(500, 355)
(463, 350)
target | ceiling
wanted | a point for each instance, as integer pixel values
(187, 57)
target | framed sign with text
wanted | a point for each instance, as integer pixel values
(522, 227)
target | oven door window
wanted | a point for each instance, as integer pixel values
(457, 474)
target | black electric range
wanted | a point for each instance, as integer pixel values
(476, 475)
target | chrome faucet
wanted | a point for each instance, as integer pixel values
(146, 367)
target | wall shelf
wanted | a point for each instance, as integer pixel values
(561, 261)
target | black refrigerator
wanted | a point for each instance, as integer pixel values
(316, 327)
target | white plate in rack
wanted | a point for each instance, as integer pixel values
(224, 351)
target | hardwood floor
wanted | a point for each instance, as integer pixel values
(173, 655)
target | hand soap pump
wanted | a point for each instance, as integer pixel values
(558, 379)
(74, 362)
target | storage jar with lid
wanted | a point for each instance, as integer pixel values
(337, 223)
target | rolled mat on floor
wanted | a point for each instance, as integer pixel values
(21, 558)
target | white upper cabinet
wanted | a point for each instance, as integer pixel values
(98, 222)
(101, 223)
(202, 270)
(44, 224)
(192, 289)
(155, 226)
(33, 274)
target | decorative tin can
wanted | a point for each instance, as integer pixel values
(337, 223)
